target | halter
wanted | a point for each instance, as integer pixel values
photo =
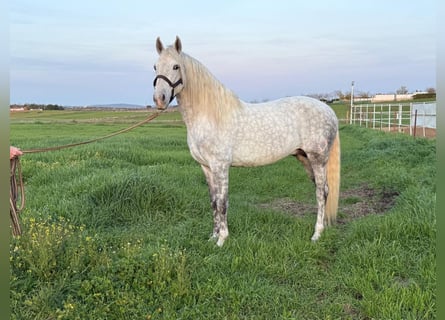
(172, 85)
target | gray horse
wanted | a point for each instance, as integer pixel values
(223, 131)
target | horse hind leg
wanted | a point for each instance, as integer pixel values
(321, 192)
(223, 227)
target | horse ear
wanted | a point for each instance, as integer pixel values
(159, 45)
(178, 44)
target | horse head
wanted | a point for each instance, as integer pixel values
(170, 78)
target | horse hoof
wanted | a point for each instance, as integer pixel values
(315, 237)
(213, 237)
(220, 242)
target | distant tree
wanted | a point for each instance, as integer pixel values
(340, 94)
(52, 107)
(35, 106)
(402, 90)
(319, 96)
(363, 94)
(347, 95)
(431, 90)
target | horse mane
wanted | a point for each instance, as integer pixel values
(204, 94)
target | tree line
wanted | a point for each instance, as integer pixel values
(340, 95)
(35, 106)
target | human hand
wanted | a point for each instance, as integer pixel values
(14, 152)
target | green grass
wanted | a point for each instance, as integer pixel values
(84, 116)
(118, 230)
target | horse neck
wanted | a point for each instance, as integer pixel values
(204, 96)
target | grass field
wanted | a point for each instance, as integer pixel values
(118, 229)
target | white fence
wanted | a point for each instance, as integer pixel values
(412, 118)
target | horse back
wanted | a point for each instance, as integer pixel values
(267, 132)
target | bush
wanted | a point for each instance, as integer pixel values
(421, 96)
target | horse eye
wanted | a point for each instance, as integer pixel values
(176, 67)
(154, 67)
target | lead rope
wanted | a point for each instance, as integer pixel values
(17, 191)
(151, 117)
(14, 195)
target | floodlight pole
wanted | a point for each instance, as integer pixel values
(352, 102)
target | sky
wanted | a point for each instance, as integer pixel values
(84, 52)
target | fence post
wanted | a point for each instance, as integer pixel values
(415, 123)
(367, 115)
(351, 114)
(400, 117)
(381, 117)
(389, 117)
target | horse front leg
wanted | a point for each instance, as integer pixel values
(212, 193)
(217, 181)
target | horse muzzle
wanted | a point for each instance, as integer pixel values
(160, 101)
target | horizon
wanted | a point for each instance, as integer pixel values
(319, 96)
(71, 54)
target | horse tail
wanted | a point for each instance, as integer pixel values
(333, 179)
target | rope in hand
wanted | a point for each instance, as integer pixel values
(17, 190)
(16, 176)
